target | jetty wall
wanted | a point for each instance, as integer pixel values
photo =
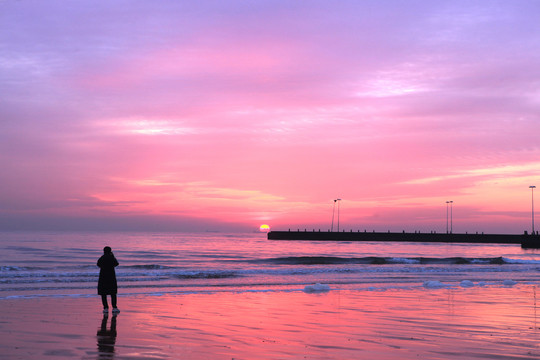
(400, 236)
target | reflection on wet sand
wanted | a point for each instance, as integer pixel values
(106, 339)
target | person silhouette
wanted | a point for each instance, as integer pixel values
(106, 339)
(107, 279)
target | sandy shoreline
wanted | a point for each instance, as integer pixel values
(458, 323)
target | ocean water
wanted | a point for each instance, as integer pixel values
(35, 264)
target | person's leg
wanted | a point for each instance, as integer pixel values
(115, 310)
(104, 301)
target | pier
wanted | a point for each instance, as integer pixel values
(526, 240)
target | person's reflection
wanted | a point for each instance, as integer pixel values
(106, 338)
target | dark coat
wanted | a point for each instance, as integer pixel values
(107, 276)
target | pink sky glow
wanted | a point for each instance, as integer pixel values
(225, 115)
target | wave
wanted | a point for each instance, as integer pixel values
(86, 269)
(278, 269)
(297, 286)
(377, 260)
(148, 267)
(207, 275)
(10, 268)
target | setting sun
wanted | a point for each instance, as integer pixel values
(264, 228)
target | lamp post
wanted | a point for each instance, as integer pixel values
(338, 200)
(333, 212)
(451, 222)
(451, 216)
(532, 187)
(448, 202)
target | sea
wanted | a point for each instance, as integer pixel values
(63, 264)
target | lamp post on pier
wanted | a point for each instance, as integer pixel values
(338, 200)
(451, 222)
(333, 212)
(532, 187)
(447, 216)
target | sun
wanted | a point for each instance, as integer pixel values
(264, 228)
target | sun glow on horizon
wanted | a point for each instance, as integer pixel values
(264, 228)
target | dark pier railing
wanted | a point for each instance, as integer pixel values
(526, 240)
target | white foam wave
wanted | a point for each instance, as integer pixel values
(435, 284)
(317, 288)
(509, 282)
(399, 260)
(521, 261)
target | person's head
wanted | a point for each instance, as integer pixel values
(107, 250)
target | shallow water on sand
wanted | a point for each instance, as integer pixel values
(451, 323)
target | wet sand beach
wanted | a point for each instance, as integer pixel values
(497, 322)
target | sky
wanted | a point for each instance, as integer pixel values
(225, 115)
